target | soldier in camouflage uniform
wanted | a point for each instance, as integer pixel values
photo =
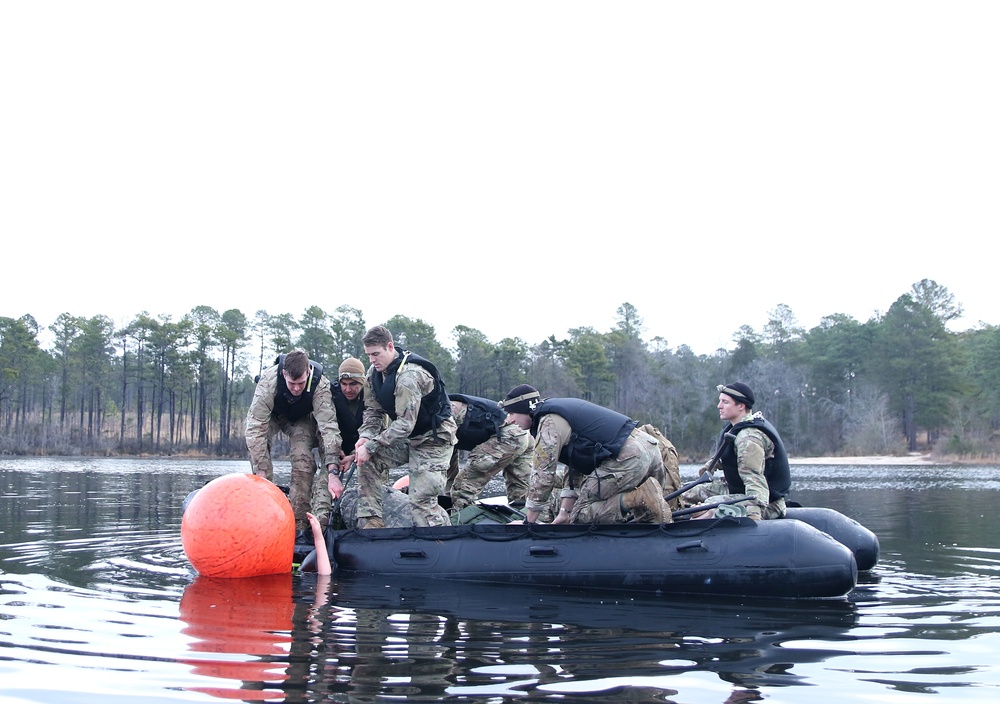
(408, 390)
(616, 471)
(348, 403)
(293, 397)
(495, 444)
(754, 466)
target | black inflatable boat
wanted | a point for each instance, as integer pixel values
(724, 556)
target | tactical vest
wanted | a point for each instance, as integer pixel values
(598, 433)
(348, 421)
(776, 470)
(482, 420)
(295, 407)
(434, 406)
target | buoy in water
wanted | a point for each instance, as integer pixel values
(239, 525)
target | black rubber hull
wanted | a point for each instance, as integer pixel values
(858, 539)
(731, 557)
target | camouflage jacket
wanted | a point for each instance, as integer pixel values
(413, 382)
(552, 434)
(261, 411)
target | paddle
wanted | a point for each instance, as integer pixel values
(705, 477)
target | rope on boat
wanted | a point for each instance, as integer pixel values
(501, 533)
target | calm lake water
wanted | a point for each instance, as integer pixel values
(99, 604)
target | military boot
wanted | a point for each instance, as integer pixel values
(645, 504)
(366, 522)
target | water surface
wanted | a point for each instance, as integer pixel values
(99, 604)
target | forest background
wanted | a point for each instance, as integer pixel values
(899, 382)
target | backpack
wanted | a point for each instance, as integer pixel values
(671, 461)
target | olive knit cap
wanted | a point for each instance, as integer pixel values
(352, 369)
(521, 399)
(738, 391)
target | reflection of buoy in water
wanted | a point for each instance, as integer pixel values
(246, 624)
(239, 525)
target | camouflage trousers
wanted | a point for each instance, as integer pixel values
(303, 436)
(510, 454)
(598, 495)
(428, 460)
(717, 491)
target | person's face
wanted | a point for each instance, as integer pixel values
(729, 410)
(350, 388)
(522, 420)
(296, 386)
(380, 357)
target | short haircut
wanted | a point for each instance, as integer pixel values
(296, 363)
(377, 336)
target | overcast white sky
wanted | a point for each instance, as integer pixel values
(519, 167)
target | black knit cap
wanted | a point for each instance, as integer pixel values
(521, 399)
(738, 391)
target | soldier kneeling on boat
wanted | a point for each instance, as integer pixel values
(616, 472)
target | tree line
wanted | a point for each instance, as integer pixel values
(900, 381)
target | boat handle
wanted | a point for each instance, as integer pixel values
(412, 553)
(692, 545)
(542, 551)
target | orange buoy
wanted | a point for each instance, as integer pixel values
(239, 525)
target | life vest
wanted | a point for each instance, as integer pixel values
(348, 421)
(295, 407)
(776, 469)
(482, 420)
(598, 433)
(434, 406)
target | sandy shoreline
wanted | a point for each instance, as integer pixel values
(912, 458)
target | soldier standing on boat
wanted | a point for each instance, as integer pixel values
(408, 390)
(755, 464)
(293, 397)
(615, 469)
(495, 444)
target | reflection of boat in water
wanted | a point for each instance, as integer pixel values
(726, 556)
(373, 637)
(715, 617)
(750, 642)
